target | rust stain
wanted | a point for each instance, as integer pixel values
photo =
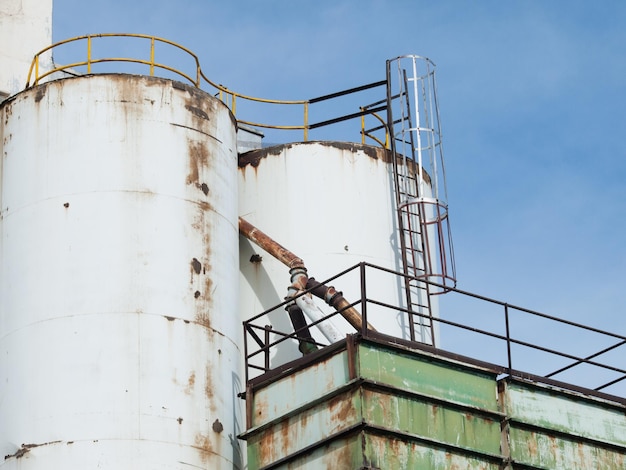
(254, 157)
(41, 92)
(341, 408)
(208, 284)
(197, 112)
(191, 381)
(8, 111)
(196, 265)
(266, 447)
(260, 408)
(204, 319)
(337, 457)
(208, 386)
(204, 206)
(203, 443)
(198, 160)
(532, 445)
(26, 448)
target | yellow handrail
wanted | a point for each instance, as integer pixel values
(224, 93)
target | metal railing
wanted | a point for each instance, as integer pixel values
(197, 77)
(510, 340)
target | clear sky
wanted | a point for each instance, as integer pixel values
(532, 96)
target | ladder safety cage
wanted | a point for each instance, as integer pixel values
(419, 176)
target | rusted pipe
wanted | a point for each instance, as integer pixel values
(335, 299)
(278, 251)
(298, 273)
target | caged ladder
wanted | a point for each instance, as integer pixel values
(419, 179)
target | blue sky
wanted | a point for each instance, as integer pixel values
(532, 96)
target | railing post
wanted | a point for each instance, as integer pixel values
(306, 121)
(362, 125)
(508, 338)
(88, 54)
(152, 56)
(363, 300)
(268, 328)
(245, 350)
(36, 69)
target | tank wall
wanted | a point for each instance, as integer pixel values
(119, 276)
(31, 22)
(331, 204)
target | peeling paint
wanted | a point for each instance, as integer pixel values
(25, 448)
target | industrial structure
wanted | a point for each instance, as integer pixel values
(143, 222)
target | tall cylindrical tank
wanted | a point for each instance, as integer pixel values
(119, 339)
(25, 28)
(332, 204)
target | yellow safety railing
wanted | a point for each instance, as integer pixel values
(365, 133)
(226, 95)
(34, 67)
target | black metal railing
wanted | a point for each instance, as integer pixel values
(515, 341)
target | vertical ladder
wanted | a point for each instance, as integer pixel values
(423, 229)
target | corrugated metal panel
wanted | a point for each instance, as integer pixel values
(381, 452)
(421, 417)
(555, 429)
(385, 417)
(430, 376)
(301, 388)
(406, 409)
(319, 423)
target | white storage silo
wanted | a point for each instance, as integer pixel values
(119, 339)
(333, 205)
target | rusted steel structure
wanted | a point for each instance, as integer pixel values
(383, 405)
(392, 403)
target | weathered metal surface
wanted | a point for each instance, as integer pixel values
(118, 286)
(384, 452)
(351, 186)
(555, 429)
(414, 372)
(31, 22)
(419, 416)
(306, 386)
(342, 452)
(308, 427)
(390, 417)
(282, 254)
(383, 406)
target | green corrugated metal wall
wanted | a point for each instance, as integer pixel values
(374, 405)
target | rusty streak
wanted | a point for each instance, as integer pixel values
(278, 251)
(26, 448)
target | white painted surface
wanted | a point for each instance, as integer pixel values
(332, 205)
(119, 336)
(25, 29)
